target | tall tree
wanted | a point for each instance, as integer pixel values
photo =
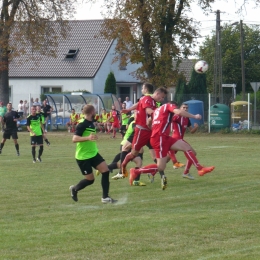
(153, 33)
(110, 84)
(231, 56)
(26, 23)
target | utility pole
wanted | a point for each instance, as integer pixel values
(218, 92)
(242, 60)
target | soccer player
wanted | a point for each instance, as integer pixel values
(71, 125)
(180, 124)
(103, 119)
(114, 116)
(87, 156)
(36, 129)
(162, 143)
(144, 108)
(10, 121)
(43, 120)
(124, 118)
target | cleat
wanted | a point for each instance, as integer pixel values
(112, 137)
(48, 143)
(97, 172)
(73, 193)
(150, 177)
(18, 154)
(39, 159)
(124, 171)
(178, 165)
(133, 176)
(108, 200)
(118, 176)
(138, 183)
(188, 176)
(205, 170)
(164, 182)
(34, 161)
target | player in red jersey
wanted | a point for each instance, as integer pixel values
(180, 124)
(115, 124)
(144, 110)
(162, 143)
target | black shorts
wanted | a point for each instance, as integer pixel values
(8, 133)
(36, 140)
(86, 165)
(130, 138)
(123, 129)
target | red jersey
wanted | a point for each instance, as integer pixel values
(162, 119)
(180, 125)
(141, 116)
(115, 114)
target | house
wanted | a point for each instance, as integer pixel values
(83, 61)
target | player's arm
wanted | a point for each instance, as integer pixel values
(186, 114)
(194, 128)
(133, 107)
(42, 127)
(28, 126)
(78, 138)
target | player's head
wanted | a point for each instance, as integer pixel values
(147, 88)
(123, 105)
(72, 111)
(89, 110)
(184, 106)
(9, 106)
(159, 94)
(38, 108)
(113, 107)
(1, 103)
(33, 110)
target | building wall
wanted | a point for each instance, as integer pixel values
(21, 88)
(124, 77)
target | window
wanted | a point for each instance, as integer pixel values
(71, 54)
(51, 89)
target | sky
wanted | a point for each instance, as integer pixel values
(227, 8)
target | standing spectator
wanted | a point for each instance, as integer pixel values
(2, 113)
(25, 108)
(128, 102)
(35, 127)
(21, 108)
(120, 102)
(47, 109)
(10, 120)
(37, 102)
(31, 102)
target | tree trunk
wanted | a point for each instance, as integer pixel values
(4, 77)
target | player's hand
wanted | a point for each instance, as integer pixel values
(93, 137)
(196, 125)
(198, 116)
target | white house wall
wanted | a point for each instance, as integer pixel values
(120, 75)
(21, 88)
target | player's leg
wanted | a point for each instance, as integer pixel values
(86, 170)
(5, 136)
(181, 145)
(15, 137)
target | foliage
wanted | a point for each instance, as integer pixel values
(110, 84)
(26, 23)
(181, 90)
(231, 56)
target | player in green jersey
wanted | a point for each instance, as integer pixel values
(35, 127)
(87, 156)
(124, 121)
(43, 120)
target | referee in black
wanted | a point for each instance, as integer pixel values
(10, 122)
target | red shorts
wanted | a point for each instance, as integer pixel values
(141, 138)
(162, 145)
(116, 124)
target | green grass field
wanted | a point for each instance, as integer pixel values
(213, 217)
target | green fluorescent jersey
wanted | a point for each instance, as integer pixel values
(129, 132)
(35, 124)
(124, 118)
(88, 149)
(41, 114)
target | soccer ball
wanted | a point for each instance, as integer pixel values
(201, 66)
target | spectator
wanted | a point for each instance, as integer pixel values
(120, 102)
(128, 103)
(3, 110)
(20, 109)
(47, 109)
(25, 108)
(37, 102)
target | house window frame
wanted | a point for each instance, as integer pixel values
(51, 87)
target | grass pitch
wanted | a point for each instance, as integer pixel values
(213, 217)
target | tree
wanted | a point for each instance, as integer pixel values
(231, 56)
(110, 84)
(26, 23)
(153, 33)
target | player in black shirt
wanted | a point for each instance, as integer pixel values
(10, 121)
(47, 113)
